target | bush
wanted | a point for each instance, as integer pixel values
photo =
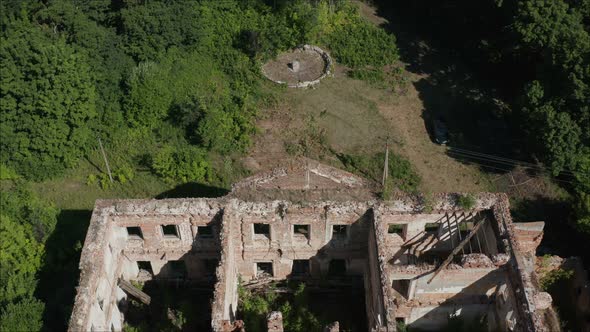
(121, 175)
(183, 164)
(466, 202)
(25, 315)
(555, 279)
(24, 207)
(254, 307)
(401, 173)
(360, 44)
(7, 173)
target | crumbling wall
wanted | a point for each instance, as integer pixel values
(101, 264)
(295, 176)
(316, 233)
(373, 290)
(159, 249)
(473, 284)
(521, 271)
(225, 296)
(283, 245)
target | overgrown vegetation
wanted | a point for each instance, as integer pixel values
(466, 201)
(26, 222)
(555, 278)
(401, 174)
(558, 283)
(255, 306)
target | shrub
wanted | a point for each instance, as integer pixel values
(25, 315)
(554, 278)
(361, 44)
(296, 316)
(183, 163)
(466, 201)
(401, 173)
(123, 174)
(7, 173)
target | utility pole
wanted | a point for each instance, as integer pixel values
(306, 175)
(105, 160)
(386, 165)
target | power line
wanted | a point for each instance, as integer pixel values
(509, 170)
(501, 160)
(497, 159)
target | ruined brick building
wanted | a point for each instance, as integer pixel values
(419, 260)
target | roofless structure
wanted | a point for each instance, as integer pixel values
(417, 262)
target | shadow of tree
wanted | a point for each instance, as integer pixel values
(193, 189)
(59, 273)
(459, 82)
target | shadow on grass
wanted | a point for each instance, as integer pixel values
(193, 189)
(460, 83)
(59, 273)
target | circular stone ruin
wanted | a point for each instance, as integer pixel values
(300, 68)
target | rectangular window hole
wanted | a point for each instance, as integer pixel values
(339, 231)
(264, 269)
(134, 232)
(301, 231)
(337, 267)
(170, 230)
(402, 286)
(300, 267)
(262, 229)
(431, 227)
(177, 269)
(395, 229)
(205, 232)
(145, 266)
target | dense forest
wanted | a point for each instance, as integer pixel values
(173, 87)
(169, 86)
(534, 55)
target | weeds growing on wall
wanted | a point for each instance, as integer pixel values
(466, 201)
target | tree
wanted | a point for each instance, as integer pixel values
(20, 258)
(25, 315)
(25, 208)
(184, 164)
(47, 102)
(149, 95)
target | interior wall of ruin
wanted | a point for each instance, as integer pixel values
(282, 245)
(373, 292)
(468, 292)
